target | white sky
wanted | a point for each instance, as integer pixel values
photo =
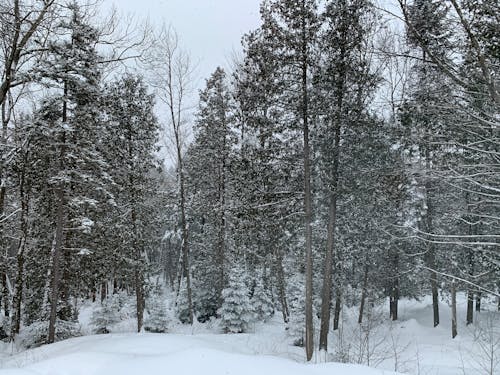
(210, 30)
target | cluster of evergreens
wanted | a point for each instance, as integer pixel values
(351, 157)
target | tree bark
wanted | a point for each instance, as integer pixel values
(394, 297)
(18, 291)
(338, 307)
(332, 220)
(56, 260)
(430, 257)
(309, 344)
(222, 222)
(5, 295)
(363, 293)
(470, 307)
(453, 310)
(103, 291)
(478, 301)
(281, 286)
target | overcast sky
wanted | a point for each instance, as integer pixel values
(209, 29)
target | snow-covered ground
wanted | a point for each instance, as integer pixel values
(124, 354)
(410, 345)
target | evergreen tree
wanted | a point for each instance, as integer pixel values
(131, 144)
(105, 315)
(236, 312)
(208, 173)
(158, 319)
(74, 168)
(262, 303)
(346, 83)
(291, 27)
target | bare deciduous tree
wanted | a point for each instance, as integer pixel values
(172, 79)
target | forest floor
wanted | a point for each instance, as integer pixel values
(410, 345)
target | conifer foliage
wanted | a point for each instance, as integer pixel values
(323, 172)
(236, 313)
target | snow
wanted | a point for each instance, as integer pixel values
(159, 353)
(410, 345)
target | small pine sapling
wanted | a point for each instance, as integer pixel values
(236, 311)
(105, 316)
(262, 302)
(157, 320)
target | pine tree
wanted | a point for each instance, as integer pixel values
(345, 81)
(427, 30)
(73, 168)
(105, 316)
(291, 27)
(236, 312)
(262, 303)
(208, 175)
(132, 135)
(182, 308)
(158, 320)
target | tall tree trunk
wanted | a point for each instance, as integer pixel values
(139, 295)
(138, 274)
(394, 296)
(103, 291)
(364, 292)
(281, 285)
(56, 263)
(430, 258)
(222, 228)
(18, 289)
(57, 243)
(478, 302)
(309, 344)
(185, 235)
(338, 307)
(332, 220)
(470, 307)
(5, 295)
(453, 309)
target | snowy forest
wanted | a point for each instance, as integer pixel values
(344, 166)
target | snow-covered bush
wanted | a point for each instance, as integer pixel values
(105, 315)
(158, 319)
(236, 311)
(36, 334)
(262, 302)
